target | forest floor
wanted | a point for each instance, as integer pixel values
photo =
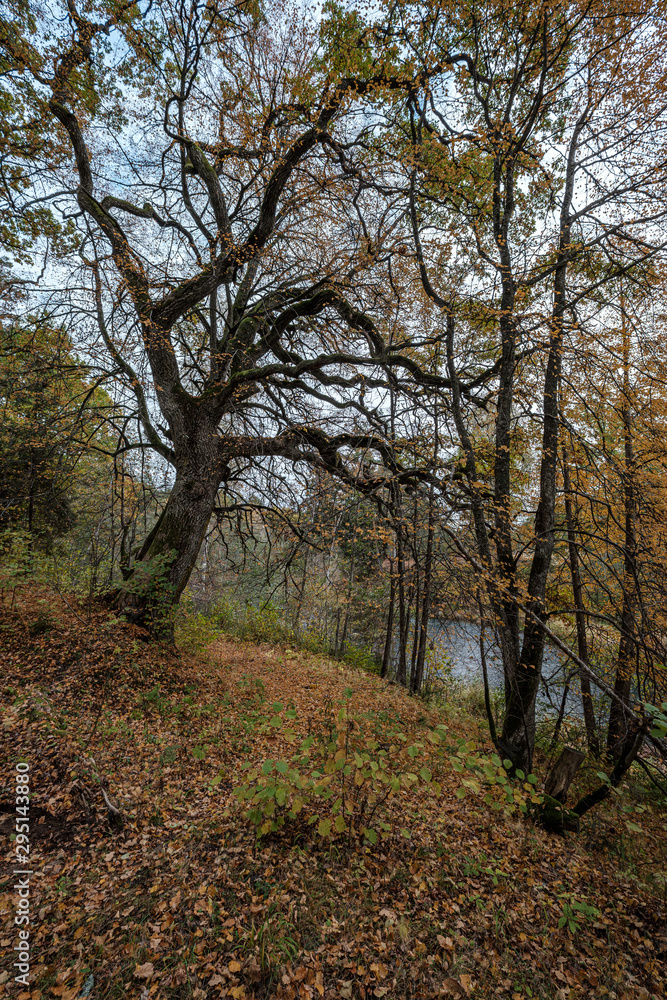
(453, 900)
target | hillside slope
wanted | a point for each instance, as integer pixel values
(182, 900)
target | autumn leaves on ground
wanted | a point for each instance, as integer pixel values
(441, 896)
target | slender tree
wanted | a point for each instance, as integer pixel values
(526, 197)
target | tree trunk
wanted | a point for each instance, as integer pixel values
(485, 675)
(561, 710)
(415, 631)
(629, 750)
(162, 567)
(580, 614)
(562, 773)
(417, 593)
(348, 600)
(389, 636)
(518, 732)
(401, 675)
(426, 600)
(296, 620)
(521, 688)
(619, 733)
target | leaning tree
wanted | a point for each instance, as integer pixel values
(535, 180)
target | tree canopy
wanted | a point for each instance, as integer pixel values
(416, 251)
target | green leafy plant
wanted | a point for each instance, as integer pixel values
(275, 942)
(21, 562)
(575, 913)
(194, 630)
(658, 718)
(251, 690)
(491, 775)
(154, 700)
(264, 624)
(170, 754)
(339, 780)
(476, 866)
(150, 583)
(63, 885)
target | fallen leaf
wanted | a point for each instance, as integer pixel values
(145, 971)
(451, 987)
(254, 971)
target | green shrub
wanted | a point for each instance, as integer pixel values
(361, 659)
(21, 562)
(269, 624)
(490, 775)
(151, 584)
(339, 780)
(195, 631)
(266, 624)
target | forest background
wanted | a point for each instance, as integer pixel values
(325, 327)
(332, 348)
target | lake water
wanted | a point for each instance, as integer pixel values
(456, 647)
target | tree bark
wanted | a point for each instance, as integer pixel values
(592, 736)
(418, 678)
(521, 689)
(562, 773)
(402, 613)
(348, 600)
(619, 732)
(161, 568)
(417, 594)
(629, 750)
(389, 636)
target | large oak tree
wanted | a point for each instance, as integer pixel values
(188, 165)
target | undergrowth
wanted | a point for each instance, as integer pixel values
(266, 624)
(409, 869)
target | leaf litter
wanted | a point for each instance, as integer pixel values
(175, 896)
